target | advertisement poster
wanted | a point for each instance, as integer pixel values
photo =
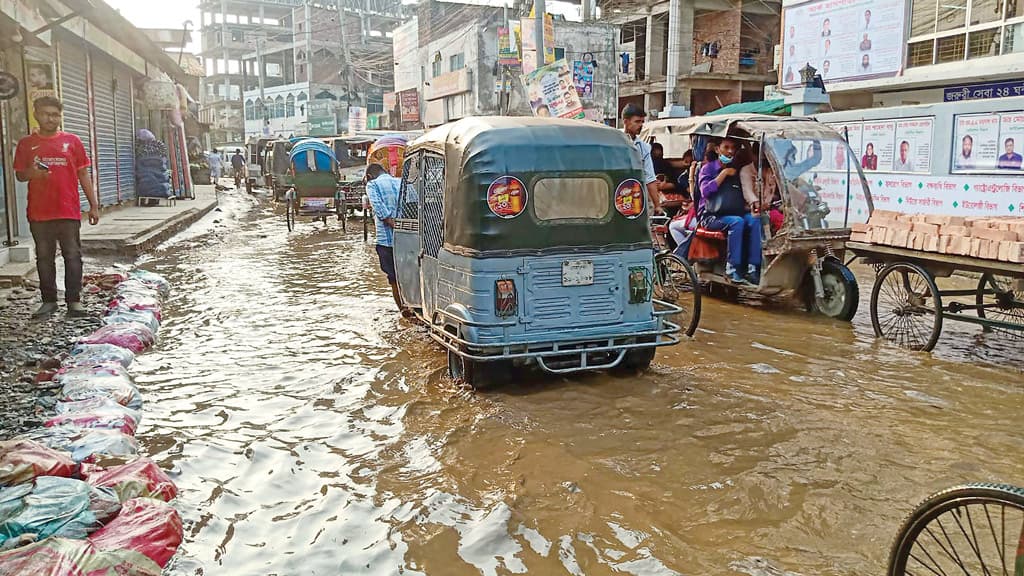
(913, 152)
(837, 154)
(409, 105)
(41, 81)
(507, 197)
(976, 143)
(552, 93)
(583, 78)
(356, 119)
(879, 138)
(843, 39)
(1011, 141)
(508, 49)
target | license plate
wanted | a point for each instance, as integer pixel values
(315, 204)
(577, 273)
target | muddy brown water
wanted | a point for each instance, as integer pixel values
(312, 432)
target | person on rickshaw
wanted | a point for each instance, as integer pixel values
(722, 207)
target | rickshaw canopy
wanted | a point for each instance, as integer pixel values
(720, 126)
(311, 155)
(479, 151)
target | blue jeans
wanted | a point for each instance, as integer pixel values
(744, 239)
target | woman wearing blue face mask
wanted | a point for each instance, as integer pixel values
(722, 207)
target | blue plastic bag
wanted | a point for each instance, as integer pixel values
(55, 507)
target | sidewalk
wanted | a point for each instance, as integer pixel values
(132, 230)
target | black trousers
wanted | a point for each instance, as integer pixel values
(48, 234)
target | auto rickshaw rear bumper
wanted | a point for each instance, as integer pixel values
(558, 356)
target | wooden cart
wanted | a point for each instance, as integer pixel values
(908, 307)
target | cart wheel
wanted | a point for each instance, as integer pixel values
(842, 295)
(906, 308)
(998, 300)
(676, 282)
(289, 215)
(974, 529)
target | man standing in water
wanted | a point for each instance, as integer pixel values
(633, 121)
(382, 191)
(54, 164)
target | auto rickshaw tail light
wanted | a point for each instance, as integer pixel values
(639, 285)
(506, 301)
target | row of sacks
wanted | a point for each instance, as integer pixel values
(75, 497)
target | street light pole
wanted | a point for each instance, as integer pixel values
(538, 30)
(344, 48)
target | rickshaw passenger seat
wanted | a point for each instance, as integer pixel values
(719, 235)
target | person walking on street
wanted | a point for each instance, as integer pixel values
(238, 166)
(633, 118)
(54, 164)
(216, 165)
(382, 191)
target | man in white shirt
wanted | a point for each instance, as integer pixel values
(903, 162)
(633, 118)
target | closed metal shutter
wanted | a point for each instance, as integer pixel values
(106, 137)
(125, 131)
(74, 93)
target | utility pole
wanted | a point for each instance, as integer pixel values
(538, 30)
(344, 49)
(259, 76)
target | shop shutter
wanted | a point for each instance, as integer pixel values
(74, 93)
(106, 137)
(124, 127)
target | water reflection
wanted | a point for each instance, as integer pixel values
(312, 432)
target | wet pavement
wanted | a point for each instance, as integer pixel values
(313, 432)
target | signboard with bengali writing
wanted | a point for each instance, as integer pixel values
(983, 91)
(409, 105)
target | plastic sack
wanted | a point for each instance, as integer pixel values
(105, 282)
(90, 372)
(144, 317)
(84, 444)
(96, 420)
(66, 557)
(119, 390)
(55, 507)
(100, 403)
(153, 280)
(134, 337)
(136, 287)
(135, 302)
(139, 479)
(92, 354)
(151, 527)
(22, 461)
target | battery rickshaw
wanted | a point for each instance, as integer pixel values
(314, 192)
(277, 172)
(527, 241)
(803, 242)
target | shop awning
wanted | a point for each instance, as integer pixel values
(773, 107)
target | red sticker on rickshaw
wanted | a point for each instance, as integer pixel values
(629, 198)
(507, 197)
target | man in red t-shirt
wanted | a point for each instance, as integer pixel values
(54, 164)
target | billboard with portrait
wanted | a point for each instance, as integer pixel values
(843, 39)
(552, 91)
(988, 143)
(40, 80)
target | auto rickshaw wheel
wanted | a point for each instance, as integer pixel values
(475, 374)
(842, 295)
(638, 359)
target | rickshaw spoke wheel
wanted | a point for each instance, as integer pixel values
(1001, 298)
(969, 530)
(906, 308)
(676, 282)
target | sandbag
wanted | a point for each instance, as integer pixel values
(150, 527)
(134, 337)
(143, 317)
(91, 372)
(153, 280)
(91, 354)
(141, 478)
(55, 507)
(135, 302)
(67, 557)
(120, 390)
(85, 444)
(96, 420)
(106, 281)
(101, 403)
(21, 461)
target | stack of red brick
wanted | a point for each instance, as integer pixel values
(991, 238)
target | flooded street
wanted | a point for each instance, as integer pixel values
(312, 432)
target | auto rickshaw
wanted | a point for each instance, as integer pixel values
(803, 249)
(314, 190)
(277, 167)
(527, 241)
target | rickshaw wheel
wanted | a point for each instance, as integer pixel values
(1002, 301)
(676, 282)
(842, 295)
(906, 307)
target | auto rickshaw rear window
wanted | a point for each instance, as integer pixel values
(572, 199)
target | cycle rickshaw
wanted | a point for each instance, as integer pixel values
(314, 192)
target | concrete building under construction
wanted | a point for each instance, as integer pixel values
(257, 52)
